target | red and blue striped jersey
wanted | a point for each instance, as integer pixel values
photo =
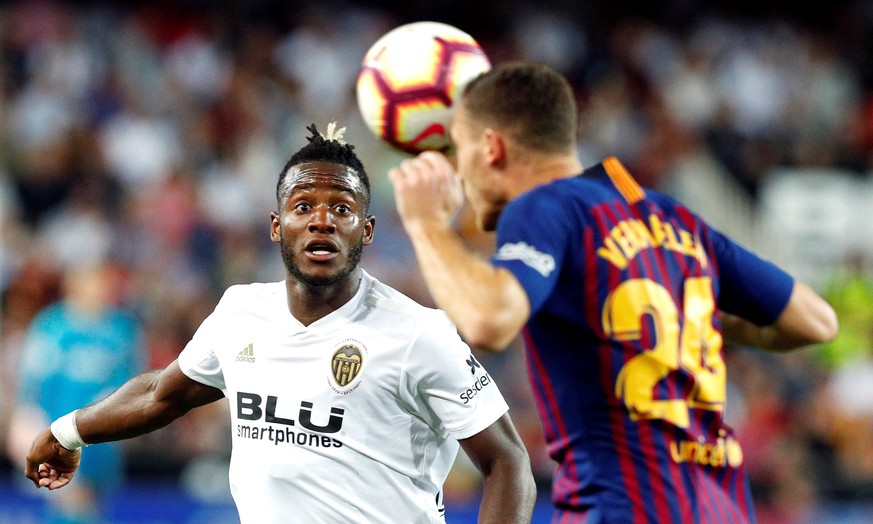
(624, 348)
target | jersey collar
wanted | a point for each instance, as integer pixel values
(333, 320)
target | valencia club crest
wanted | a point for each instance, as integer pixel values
(346, 365)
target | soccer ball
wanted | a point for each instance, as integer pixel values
(409, 82)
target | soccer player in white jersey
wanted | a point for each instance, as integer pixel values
(348, 400)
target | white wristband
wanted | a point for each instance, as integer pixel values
(64, 429)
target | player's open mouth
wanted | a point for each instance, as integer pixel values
(321, 250)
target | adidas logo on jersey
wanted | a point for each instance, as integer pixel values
(247, 354)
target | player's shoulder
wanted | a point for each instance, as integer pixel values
(244, 296)
(429, 334)
(252, 290)
(389, 302)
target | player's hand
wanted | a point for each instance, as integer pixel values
(49, 464)
(427, 191)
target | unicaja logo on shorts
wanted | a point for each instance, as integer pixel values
(346, 365)
(247, 354)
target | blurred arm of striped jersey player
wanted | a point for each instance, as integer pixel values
(498, 159)
(321, 226)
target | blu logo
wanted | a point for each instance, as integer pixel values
(248, 407)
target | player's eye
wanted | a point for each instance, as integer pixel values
(302, 207)
(343, 209)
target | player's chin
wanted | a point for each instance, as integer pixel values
(323, 275)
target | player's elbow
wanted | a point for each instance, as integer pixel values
(489, 332)
(486, 342)
(819, 322)
(492, 325)
(825, 326)
(807, 320)
(486, 337)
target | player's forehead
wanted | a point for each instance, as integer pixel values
(308, 175)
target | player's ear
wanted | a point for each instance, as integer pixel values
(275, 224)
(495, 148)
(369, 229)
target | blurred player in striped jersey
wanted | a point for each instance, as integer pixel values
(624, 298)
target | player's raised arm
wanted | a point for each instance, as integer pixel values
(145, 403)
(487, 304)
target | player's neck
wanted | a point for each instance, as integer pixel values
(535, 170)
(308, 303)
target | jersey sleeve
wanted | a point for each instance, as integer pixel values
(532, 236)
(446, 386)
(751, 287)
(198, 360)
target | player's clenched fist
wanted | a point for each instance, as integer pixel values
(49, 464)
(427, 190)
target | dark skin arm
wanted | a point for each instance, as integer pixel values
(143, 404)
(509, 491)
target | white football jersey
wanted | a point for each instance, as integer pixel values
(353, 418)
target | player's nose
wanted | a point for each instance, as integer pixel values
(321, 220)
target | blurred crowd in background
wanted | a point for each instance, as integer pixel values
(143, 141)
